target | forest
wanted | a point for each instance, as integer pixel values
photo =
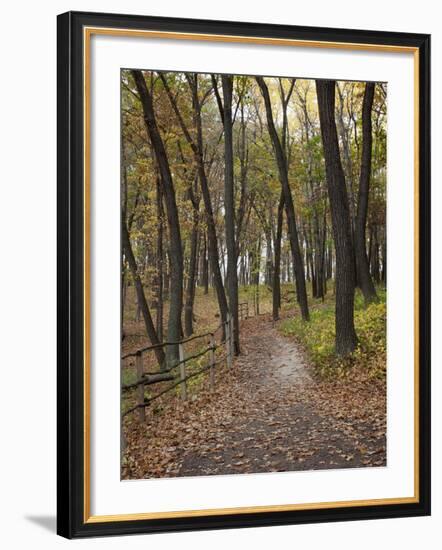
(253, 273)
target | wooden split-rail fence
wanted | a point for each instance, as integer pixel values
(177, 373)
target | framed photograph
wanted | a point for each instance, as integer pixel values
(243, 274)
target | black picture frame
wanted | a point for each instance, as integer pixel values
(72, 522)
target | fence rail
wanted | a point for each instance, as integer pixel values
(181, 378)
(165, 344)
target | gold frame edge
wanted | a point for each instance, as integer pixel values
(87, 33)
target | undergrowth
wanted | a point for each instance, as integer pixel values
(318, 338)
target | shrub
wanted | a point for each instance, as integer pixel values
(318, 338)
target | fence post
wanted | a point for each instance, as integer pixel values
(140, 388)
(229, 341)
(212, 361)
(182, 372)
(247, 310)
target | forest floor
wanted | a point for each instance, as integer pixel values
(269, 412)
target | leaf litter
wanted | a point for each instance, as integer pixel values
(268, 413)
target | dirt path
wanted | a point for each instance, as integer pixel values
(268, 413)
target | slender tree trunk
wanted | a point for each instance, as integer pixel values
(330, 262)
(160, 260)
(322, 265)
(384, 261)
(190, 291)
(193, 262)
(362, 268)
(205, 268)
(174, 329)
(229, 207)
(277, 266)
(197, 149)
(345, 134)
(212, 242)
(319, 258)
(255, 261)
(288, 200)
(150, 329)
(375, 267)
(346, 339)
(243, 155)
(124, 285)
(122, 297)
(310, 259)
(269, 259)
(123, 195)
(166, 273)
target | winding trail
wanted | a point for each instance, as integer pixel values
(268, 413)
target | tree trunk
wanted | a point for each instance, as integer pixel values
(347, 160)
(346, 339)
(362, 268)
(288, 200)
(197, 149)
(269, 259)
(229, 207)
(319, 257)
(123, 296)
(329, 262)
(193, 260)
(243, 155)
(375, 267)
(205, 268)
(190, 291)
(277, 266)
(150, 329)
(255, 261)
(160, 260)
(166, 271)
(384, 261)
(211, 234)
(174, 329)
